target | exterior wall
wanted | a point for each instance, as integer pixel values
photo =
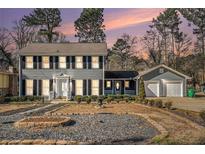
(38, 73)
(167, 76)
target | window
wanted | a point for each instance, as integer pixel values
(45, 87)
(29, 62)
(62, 62)
(95, 62)
(45, 62)
(95, 87)
(1, 80)
(4, 81)
(127, 84)
(79, 62)
(79, 87)
(29, 87)
(108, 84)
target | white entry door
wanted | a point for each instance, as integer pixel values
(64, 88)
(174, 89)
(152, 89)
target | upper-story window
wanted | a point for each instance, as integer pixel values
(79, 62)
(95, 62)
(45, 62)
(62, 62)
(29, 62)
(29, 87)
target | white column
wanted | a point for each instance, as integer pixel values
(103, 74)
(20, 79)
(67, 89)
(56, 86)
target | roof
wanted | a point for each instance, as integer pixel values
(65, 49)
(120, 74)
(168, 68)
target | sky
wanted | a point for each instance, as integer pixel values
(117, 21)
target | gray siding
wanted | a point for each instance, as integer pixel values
(74, 73)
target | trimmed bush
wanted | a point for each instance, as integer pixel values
(94, 98)
(168, 105)
(88, 100)
(146, 101)
(126, 99)
(23, 98)
(151, 102)
(158, 103)
(100, 100)
(78, 99)
(109, 99)
(202, 115)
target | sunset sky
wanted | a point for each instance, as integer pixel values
(117, 21)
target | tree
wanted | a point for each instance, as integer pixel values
(22, 34)
(123, 51)
(197, 18)
(47, 19)
(89, 26)
(5, 47)
(142, 94)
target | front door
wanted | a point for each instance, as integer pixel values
(118, 87)
(64, 87)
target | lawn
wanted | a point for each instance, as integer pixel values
(10, 107)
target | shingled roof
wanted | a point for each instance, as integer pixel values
(120, 74)
(65, 49)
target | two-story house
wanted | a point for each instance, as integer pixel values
(68, 69)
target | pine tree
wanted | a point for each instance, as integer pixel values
(142, 94)
(46, 19)
(89, 26)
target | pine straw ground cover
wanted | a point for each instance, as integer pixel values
(180, 130)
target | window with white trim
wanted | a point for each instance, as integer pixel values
(45, 62)
(29, 62)
(95, 87)
(127, 84)
(95, 62)
(79, 87)
(62, 62)
(45, 87)
(29, 87)
(78, 62)
(108, 84)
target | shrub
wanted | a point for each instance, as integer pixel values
(126, 99)
(142, 94)
(118, 100)
(146, 101)
(151, 102)
(109, 99)
(136, 99)
(158, 103)
(78, 98)
(100, 100)
(94, 98)
(202, 115)
(88, 100)
(168, 104)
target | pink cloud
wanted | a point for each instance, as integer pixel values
(67, 29)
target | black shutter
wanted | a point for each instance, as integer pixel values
(89, 62)
(100, 87)
(101, 62)
(40, 62)
(68, 62)
(23, 63)
(51, 62)
(35, 62)
(84, 87)
(51, 85)
(89, 87)
(34, 87)
(40, 87)
(56, 62)
(73, 87)
(73, 62)
(84, 62)
(23, 87)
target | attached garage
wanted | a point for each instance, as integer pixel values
(163, 81)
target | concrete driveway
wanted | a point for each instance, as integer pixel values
(196, 104)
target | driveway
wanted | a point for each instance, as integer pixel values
(192, 104)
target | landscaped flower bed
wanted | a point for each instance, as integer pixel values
(42, 121)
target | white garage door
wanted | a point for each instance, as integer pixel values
(152, 89)
(174, 89)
